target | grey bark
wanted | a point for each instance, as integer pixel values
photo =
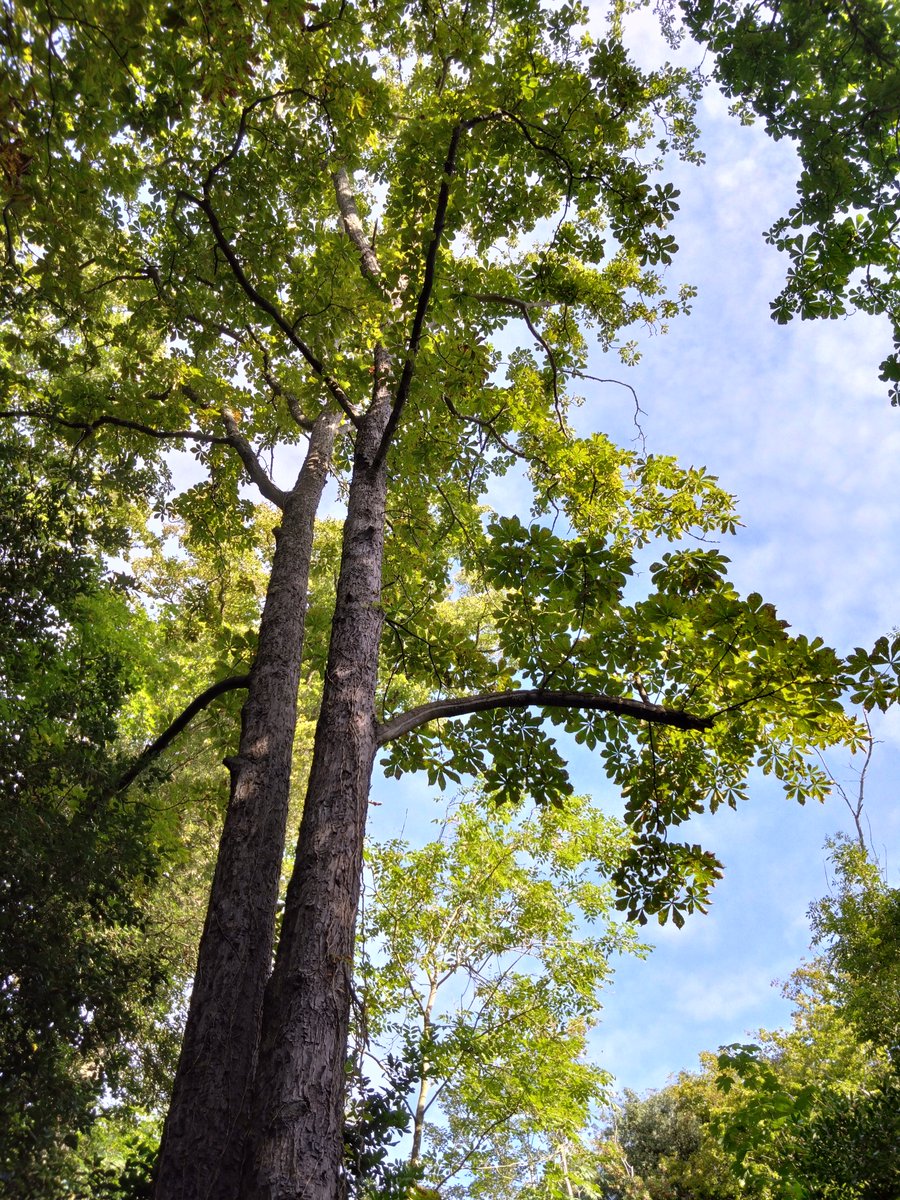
(202, 1139)
(295, 1146)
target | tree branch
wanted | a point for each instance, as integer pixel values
(268, 307)
(346, 201)
(418, 325)
(482, 423)
(233, 438)
(461, 706)
(154, 749)
(252, 465)
(89, 427)
(523, 306)
(278, 388)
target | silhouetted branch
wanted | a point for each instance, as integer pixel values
(462, 706)
(89, 427)
(418, 325)
(197, 705)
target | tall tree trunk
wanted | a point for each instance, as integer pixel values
(202, 1141)
(295, 1145)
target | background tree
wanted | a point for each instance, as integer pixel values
(837, 1069)
(84, 973)
(808, 1114)
(661, 1146)
(481, 956)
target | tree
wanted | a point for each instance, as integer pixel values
(857, 928)
(823, 73)
(480, 960)
(661, 1146)
(83, 971)
(810, 1112)
(473, 166)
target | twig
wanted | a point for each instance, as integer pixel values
(638, 411)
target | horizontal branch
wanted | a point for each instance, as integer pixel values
(461, 706)
(89, 427)
(165, 739)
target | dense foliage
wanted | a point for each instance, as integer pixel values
(80, 979)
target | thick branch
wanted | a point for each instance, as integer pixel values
(268, 307)
(197, 705)
(461, 706)
(418, 325)
(354, 227)
(252, 465)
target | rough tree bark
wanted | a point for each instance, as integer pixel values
(295, 1145)
(201, 1147)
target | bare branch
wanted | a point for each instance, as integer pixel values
(499, 298)
(233, 438)
(461, 706)
(353, 226)
(165, 739)
(486, 424)
(855, 802)
(638, 411)
(418, 325)
(217, 326)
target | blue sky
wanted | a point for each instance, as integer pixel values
(794, 421)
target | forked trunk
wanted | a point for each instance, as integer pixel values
(202, 1140)
(295, 1145)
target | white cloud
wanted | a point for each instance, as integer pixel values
(713, 998)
